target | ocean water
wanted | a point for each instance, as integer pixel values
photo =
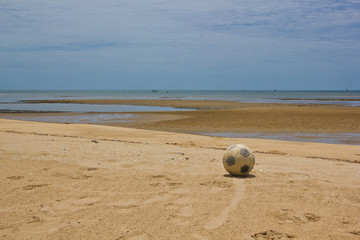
(81, 108)
(241, 96)
(75, 118)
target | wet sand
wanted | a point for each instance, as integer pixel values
(230, 116)
(77, 181)
(221, 117)
(176, 103)
(261, 119)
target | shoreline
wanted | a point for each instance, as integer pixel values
(122, 119)
(215, 117)
(181, 103)
(321, 99)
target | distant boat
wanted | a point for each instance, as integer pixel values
(154, 90)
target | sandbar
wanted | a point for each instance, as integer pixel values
(236, 117)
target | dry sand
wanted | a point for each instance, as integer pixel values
(69, 181)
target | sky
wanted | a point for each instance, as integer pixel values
(188, 44)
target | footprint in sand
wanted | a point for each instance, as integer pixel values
(287, 216)
(185, 210)
(125, 205)
(162, 180)
(52, 218)
(217, 221)
(161, 197)
(42, 225)
(175, 199)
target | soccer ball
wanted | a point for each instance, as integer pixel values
(238, 160)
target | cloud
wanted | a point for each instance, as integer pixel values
(232, 38)
(45, 23)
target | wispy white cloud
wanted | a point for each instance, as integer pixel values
(233, 38)
(46, 22)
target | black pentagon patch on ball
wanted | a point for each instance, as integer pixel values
(244, 152)
(244, 169)
(230, 161)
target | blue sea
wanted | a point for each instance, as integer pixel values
(231, 95)
(12, 101)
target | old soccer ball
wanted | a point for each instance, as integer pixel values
(238, 160)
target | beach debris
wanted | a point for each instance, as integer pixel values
(15, 177)
(181, 153)
(95, 141)
(355, 232)
(271, 234)
(89, 169)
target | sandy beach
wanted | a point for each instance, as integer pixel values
(117, 117)
(77, 181)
